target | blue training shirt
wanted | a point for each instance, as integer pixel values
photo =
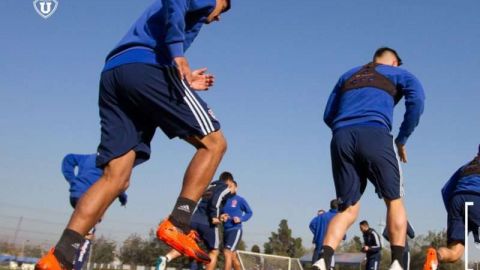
(87, 174)
(236, 206)
(319, 225)
(165, 30)
(373, 106)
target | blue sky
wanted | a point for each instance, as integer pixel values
(275, 63)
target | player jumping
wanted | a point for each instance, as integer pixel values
(147, 83)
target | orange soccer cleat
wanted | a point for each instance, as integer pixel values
(49, 262)
(183, 243)
(431, 262)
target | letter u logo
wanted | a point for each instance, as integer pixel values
(45, 7)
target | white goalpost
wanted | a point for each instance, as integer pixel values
(260, 261)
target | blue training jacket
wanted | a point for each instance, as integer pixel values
(236, 206)
(211, 203)
(165, 30)
(319, 224)
(373, 106)
(87, 174)
(458, 184)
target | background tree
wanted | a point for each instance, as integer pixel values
(103, 250)
(131, 250)
(282, 243)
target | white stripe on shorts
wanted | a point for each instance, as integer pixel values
(237, 239)
(200, 107)
(402, 190)
(188, 101)
(217, 238)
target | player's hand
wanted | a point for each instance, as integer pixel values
(183, 69)
(215, 221)
(224, 217)
(236, 220)
(201, 81)
(402, 152)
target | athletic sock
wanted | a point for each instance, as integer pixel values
(397, 254)
(67, 247)
(327, 253)
(182, 213)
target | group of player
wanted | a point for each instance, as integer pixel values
(147, 84)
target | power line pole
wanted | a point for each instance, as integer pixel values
(19, 224)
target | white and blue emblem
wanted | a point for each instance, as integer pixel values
(45, 8)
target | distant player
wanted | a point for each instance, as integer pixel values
(147, 83)
(360, 114)
(318, 226)
(87, 174)
(463, 186)
(235, 212)
(206, 219)
(406, 252)
(372, 246)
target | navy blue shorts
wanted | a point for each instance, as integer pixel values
(208, 233)
(373, 262)
(456, 217)
(231, 238)
(364, 152)
(137, 98)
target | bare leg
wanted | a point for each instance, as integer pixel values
(337, 228)
(228, 259)
(236, 262)
(213, 254)
(202, 167)
(396, 222)
(93, 204)
(452, 253)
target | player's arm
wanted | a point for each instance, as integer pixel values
(175, 35)
(410, 231)
(377, 245)
(449, 187)
(69, 163)
(332, 104)
(220, 193)
(313, 225)
(414, 105)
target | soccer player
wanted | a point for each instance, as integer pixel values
(360, 114)
(462, 187)
(235, 212)
(147, 83)
(372, 246)
(318, 226)
(406, 252)
(87, 174)
(206, 219)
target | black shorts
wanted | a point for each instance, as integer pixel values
(364, 152)
(137, 98)
(456, 218)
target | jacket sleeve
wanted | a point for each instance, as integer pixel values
(410, 231)
(385, 234)
(332, 105)
(377, 245)
(414, 104)
(449, 187)
(247, 211)
(313, 225)
(175, 34)
(219, 194)
(69, 163)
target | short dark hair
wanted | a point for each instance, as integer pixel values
(334, 204)
(224, 176)
(380, 51)
(364, 222)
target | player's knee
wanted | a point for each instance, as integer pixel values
(117, 178)
(216, 142)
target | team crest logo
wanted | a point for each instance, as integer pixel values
(210, 112)
(234, 203)
(45, 8)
